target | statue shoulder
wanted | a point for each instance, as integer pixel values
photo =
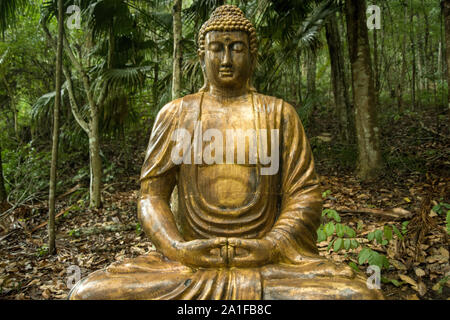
(285, 107)
(173, 108)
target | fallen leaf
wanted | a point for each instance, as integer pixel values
(398, 265)
(421, 288)
(412, 297)
(419, 272)
(408, 280)
(444, 252)
(46, 294)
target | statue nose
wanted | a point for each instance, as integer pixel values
(226, 59)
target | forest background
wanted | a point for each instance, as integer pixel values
(370, 85)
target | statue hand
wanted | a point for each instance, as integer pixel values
(250, 252)
(204, 253)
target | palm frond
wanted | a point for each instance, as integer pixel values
(8, 12)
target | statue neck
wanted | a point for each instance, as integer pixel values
(226, 93)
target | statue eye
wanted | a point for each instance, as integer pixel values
(215, 46)
(238, 46)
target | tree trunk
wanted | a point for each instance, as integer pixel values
(92, 127)
(311, 73)
(13, 107)
(3, 194)
(376, 69)
(54, 164)
(446, 12)
(177, 34)
(299, 85)
(95, 160)
(369, 155)
(340, 92)
(413, 53)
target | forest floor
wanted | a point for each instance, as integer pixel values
(89, 240)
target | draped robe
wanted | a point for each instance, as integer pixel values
(284, 207)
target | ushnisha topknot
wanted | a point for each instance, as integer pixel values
(228, 18)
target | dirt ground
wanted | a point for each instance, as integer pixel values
(91, 240)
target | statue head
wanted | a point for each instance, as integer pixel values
(227, 49)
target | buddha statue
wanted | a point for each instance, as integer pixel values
(249, 198)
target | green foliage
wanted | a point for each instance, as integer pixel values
(441, 208)
(26, 171)
(367, 255)
(441, 284)
(42, 251)
(325, 194)
(342, 235)
(138, 229)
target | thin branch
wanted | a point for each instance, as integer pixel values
(73, 103)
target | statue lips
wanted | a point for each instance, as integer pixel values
(226, 72)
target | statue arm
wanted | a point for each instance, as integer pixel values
(294, 233)
(155, 216)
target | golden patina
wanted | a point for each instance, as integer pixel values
(247, 213)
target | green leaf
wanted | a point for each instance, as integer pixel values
(385, 242)
(405, 227)
(437, 208)
(337, 245)
(375, 259)
(354, 243)
(321, 236)
(336, 216)
(397, 232)
(354, 266)
(363, 255)
(330, 245)
(371, 236)
(350, 232)
(339, 230)
(326, 193)
(396, 283)
(347, 244)
(379, 236)
(329, 228)
(332, 214)
(388, 233)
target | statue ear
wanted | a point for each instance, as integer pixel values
(205, 86)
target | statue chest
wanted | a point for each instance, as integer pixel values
(225, 141)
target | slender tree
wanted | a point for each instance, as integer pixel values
(367, 131)
(446, 13)
(54, 164)
(311, 69)
(340, 90)
(177, 54)
(3, 194)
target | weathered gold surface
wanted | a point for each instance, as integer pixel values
(242, 234)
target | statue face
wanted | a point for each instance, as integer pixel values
(227, 59)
